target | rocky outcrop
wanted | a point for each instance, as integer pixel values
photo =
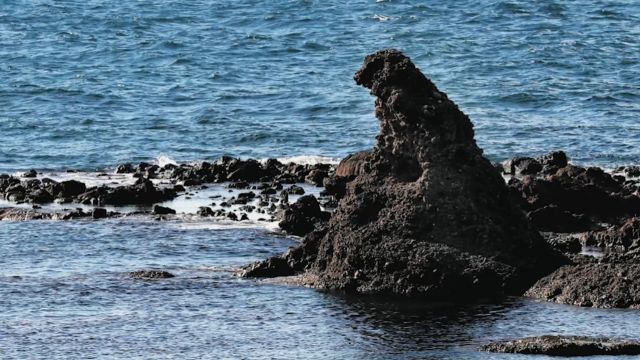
(427, 215)
(566, 346)
(25, 214)
(562, 197)
(603, 285)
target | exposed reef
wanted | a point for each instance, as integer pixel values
(258, 187)
(566, 346)
(425, 213)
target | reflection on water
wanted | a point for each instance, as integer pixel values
(66, 295)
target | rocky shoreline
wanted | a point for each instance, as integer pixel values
(423, 214)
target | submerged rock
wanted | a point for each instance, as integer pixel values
(150, 274)
(427, 215)
(566, 346)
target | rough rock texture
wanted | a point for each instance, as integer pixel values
(428, 215)
(572, 198)
(603, 285)
(303, 216)
(619, 238)
(150, 274)
(354, 164)
(565, 346)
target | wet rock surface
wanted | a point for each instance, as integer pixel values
(427, 215)
(154, 185)
(150, 275)
(566, 346)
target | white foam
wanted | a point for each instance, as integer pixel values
(163, 160)
(309, 160)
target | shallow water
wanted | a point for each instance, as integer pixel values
(89, 84)
(72, 299)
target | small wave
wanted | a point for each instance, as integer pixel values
(381, 17)
(163, 160)
(309, 160)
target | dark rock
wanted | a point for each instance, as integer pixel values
(553, 161)
(239, 185)
(125, 169)
(272, 267)
(429, 216)
(250, 171)
(30, 174)
(336, 186)
(303, 216)
(179, 188)
(294, 190)
(522, 166)
(621, 238)
(247, 195)
(551, 218)
(602, 285)
(565, 243)
(161, 210)
(205, 211)
(566, 346)
(150, 274)
(633, 171)
(40, 196)
(354, 164)
(22, 214)
(141, 193)
(70, 189)
(577, 190)
(316, 177)
(99, 213)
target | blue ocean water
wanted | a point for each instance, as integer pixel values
(87, 84)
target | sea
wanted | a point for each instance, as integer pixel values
(88, 84)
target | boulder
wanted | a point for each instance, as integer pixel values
(303, 216)
(70, 188)
(354, 164)
(99, 213)
(162, 210)
(428, 216)
(567, 346)
(522, 166)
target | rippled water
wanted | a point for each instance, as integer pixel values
(88, 84)
(72, 299)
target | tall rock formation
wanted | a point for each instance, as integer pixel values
(426, 214)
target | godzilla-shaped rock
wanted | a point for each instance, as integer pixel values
(428, 215)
